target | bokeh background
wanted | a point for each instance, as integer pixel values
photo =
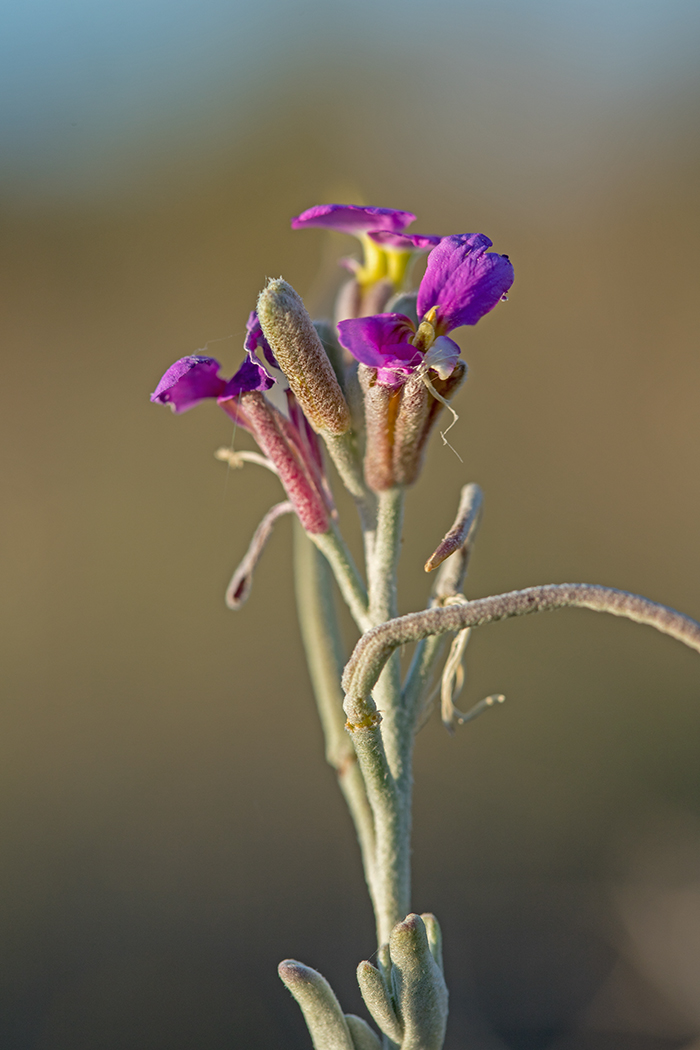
(170, 830)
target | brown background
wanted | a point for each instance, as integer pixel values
(170, 830)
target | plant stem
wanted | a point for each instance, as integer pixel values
(343, 451)
(376, 647)
(392, 808)
(333, 546)
(324, 655)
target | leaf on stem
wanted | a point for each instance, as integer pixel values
(322, 1013)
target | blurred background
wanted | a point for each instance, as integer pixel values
(170, 829)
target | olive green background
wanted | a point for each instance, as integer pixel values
(170, 830)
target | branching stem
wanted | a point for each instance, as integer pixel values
(376, 646)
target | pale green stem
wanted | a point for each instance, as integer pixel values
(343, 451)
(376, 647)
(390, 901)
(324, 654)
(350, 583)
(419, 678)
(392, 804)
(381, 572)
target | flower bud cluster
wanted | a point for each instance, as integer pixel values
(403, 363)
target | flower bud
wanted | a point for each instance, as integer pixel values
(295, 343)
(415, 420)
(419, 987)
(381, 404)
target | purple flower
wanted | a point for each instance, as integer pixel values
(250, 376)
(290, 444)
(255, 339)
(462, 282)
(353, 219)
(382, 342)
(404, 242)
(387, 250)
(194, 378)
(188, 382)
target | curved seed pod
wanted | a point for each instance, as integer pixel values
(459, 537)
(299, 351)
(419, 987)
(239, 588)
(361, 1034)
(378, 1001)
(324, 1018)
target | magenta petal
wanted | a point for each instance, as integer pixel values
(351, 218)
(250, 376)
(189, 381)
(463, 280)
(381, 341)
(405, 242)
(255, 339)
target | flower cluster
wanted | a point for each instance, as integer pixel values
(405, 363)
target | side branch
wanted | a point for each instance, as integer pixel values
(376, 646)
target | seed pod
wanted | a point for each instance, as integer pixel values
(295, 343)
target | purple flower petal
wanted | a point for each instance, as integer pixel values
(405, 242)
(382, 342)
(189, 381)
(250, 376)
(351, 218)
(463, 280)
(255, 339)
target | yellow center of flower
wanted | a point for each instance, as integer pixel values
(374, 267)
(426, 334)
(383, 263)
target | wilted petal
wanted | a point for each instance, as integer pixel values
(255, 339)
(463, 280)
(239, 588)
(382, 342)
(442, 356)
(351, 218)
(250, 376)
(405, 242)
(189, 381)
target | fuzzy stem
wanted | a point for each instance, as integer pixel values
(333, 546)
(323, 647)
(392, 805)
(342, 449)
(376, 647)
